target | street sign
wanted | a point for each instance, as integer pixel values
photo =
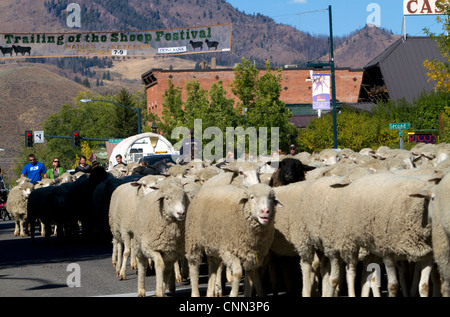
(115, 140)
(38, 136)
(400, 126)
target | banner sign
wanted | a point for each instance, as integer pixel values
(191, 40)
(421, 7)
(321, 91)
(422, 138)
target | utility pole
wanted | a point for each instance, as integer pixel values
(333, 78)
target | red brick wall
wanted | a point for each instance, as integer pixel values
(295, 88)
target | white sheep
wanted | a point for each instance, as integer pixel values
(382, 214)
(240, 174)
(158, 233)
(124, 201)
(374, 212)
(233, 226)
(440, 219)
(17, 207)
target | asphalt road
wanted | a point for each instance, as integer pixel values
(56, 269)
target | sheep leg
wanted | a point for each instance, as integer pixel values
(391, 276)
(159, 270)
(114, 252)
(43, 228)
(422, 285)
(119, 257)
(254, 280)
(403, 273)
(169, 277)
(334, 276)
(435, 278)
(351, 276)
(213, 266)
(194, 269)
(17, 228)
(306, 277)
(237, 275)
(142, 269)
(22, 225)
(218, 292)
(133, 260)
(177, 269)
(370, 280)
(126, 255)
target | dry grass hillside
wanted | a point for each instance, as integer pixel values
(28, 94)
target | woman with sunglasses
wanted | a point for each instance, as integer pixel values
(56, 171)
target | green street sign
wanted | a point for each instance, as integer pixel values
(115, 140)
(400, 126)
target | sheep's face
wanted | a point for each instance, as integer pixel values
(26, 192)
(249, 177)
(148, 188)
(330, 160)
(262, 205)
(175, 205)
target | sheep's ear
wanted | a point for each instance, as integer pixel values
(345, 181)
(277, 202)
(436, 178)
(135, 184)
(426, 193)
(229, 168)
(308, 168)
(243, 200)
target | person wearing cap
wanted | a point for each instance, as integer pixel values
(292, 150)
(190, 148)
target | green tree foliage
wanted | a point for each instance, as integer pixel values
(439, 71)
(97, 120)
(356, 130)
(268, 110)
(122, 121)
(258, 95)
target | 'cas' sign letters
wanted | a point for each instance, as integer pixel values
(421, 7)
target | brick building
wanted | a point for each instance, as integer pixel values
(295, 83)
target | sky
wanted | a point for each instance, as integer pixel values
(348, 15)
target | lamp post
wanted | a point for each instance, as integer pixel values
(333, 79)
(138, 110)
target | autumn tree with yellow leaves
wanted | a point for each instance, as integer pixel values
(439, 71)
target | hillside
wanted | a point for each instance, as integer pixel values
(30, 92)
(363, 47)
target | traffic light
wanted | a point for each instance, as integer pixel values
(29, 138)
(76, 138)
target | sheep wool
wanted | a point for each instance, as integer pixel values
(225, 223)
(158, 232)
(124, 201)
(17, 207)
(440, 218)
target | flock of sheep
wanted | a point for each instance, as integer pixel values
(385, 210)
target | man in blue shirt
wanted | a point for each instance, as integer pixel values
(34, 170)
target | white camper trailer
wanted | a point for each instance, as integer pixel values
(137, 146)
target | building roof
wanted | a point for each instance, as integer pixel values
(402, 68)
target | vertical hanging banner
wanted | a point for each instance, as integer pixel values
(191, 40)
(321, 91)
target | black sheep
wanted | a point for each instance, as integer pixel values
(212, 44)
(289, 171)
(196, 44)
